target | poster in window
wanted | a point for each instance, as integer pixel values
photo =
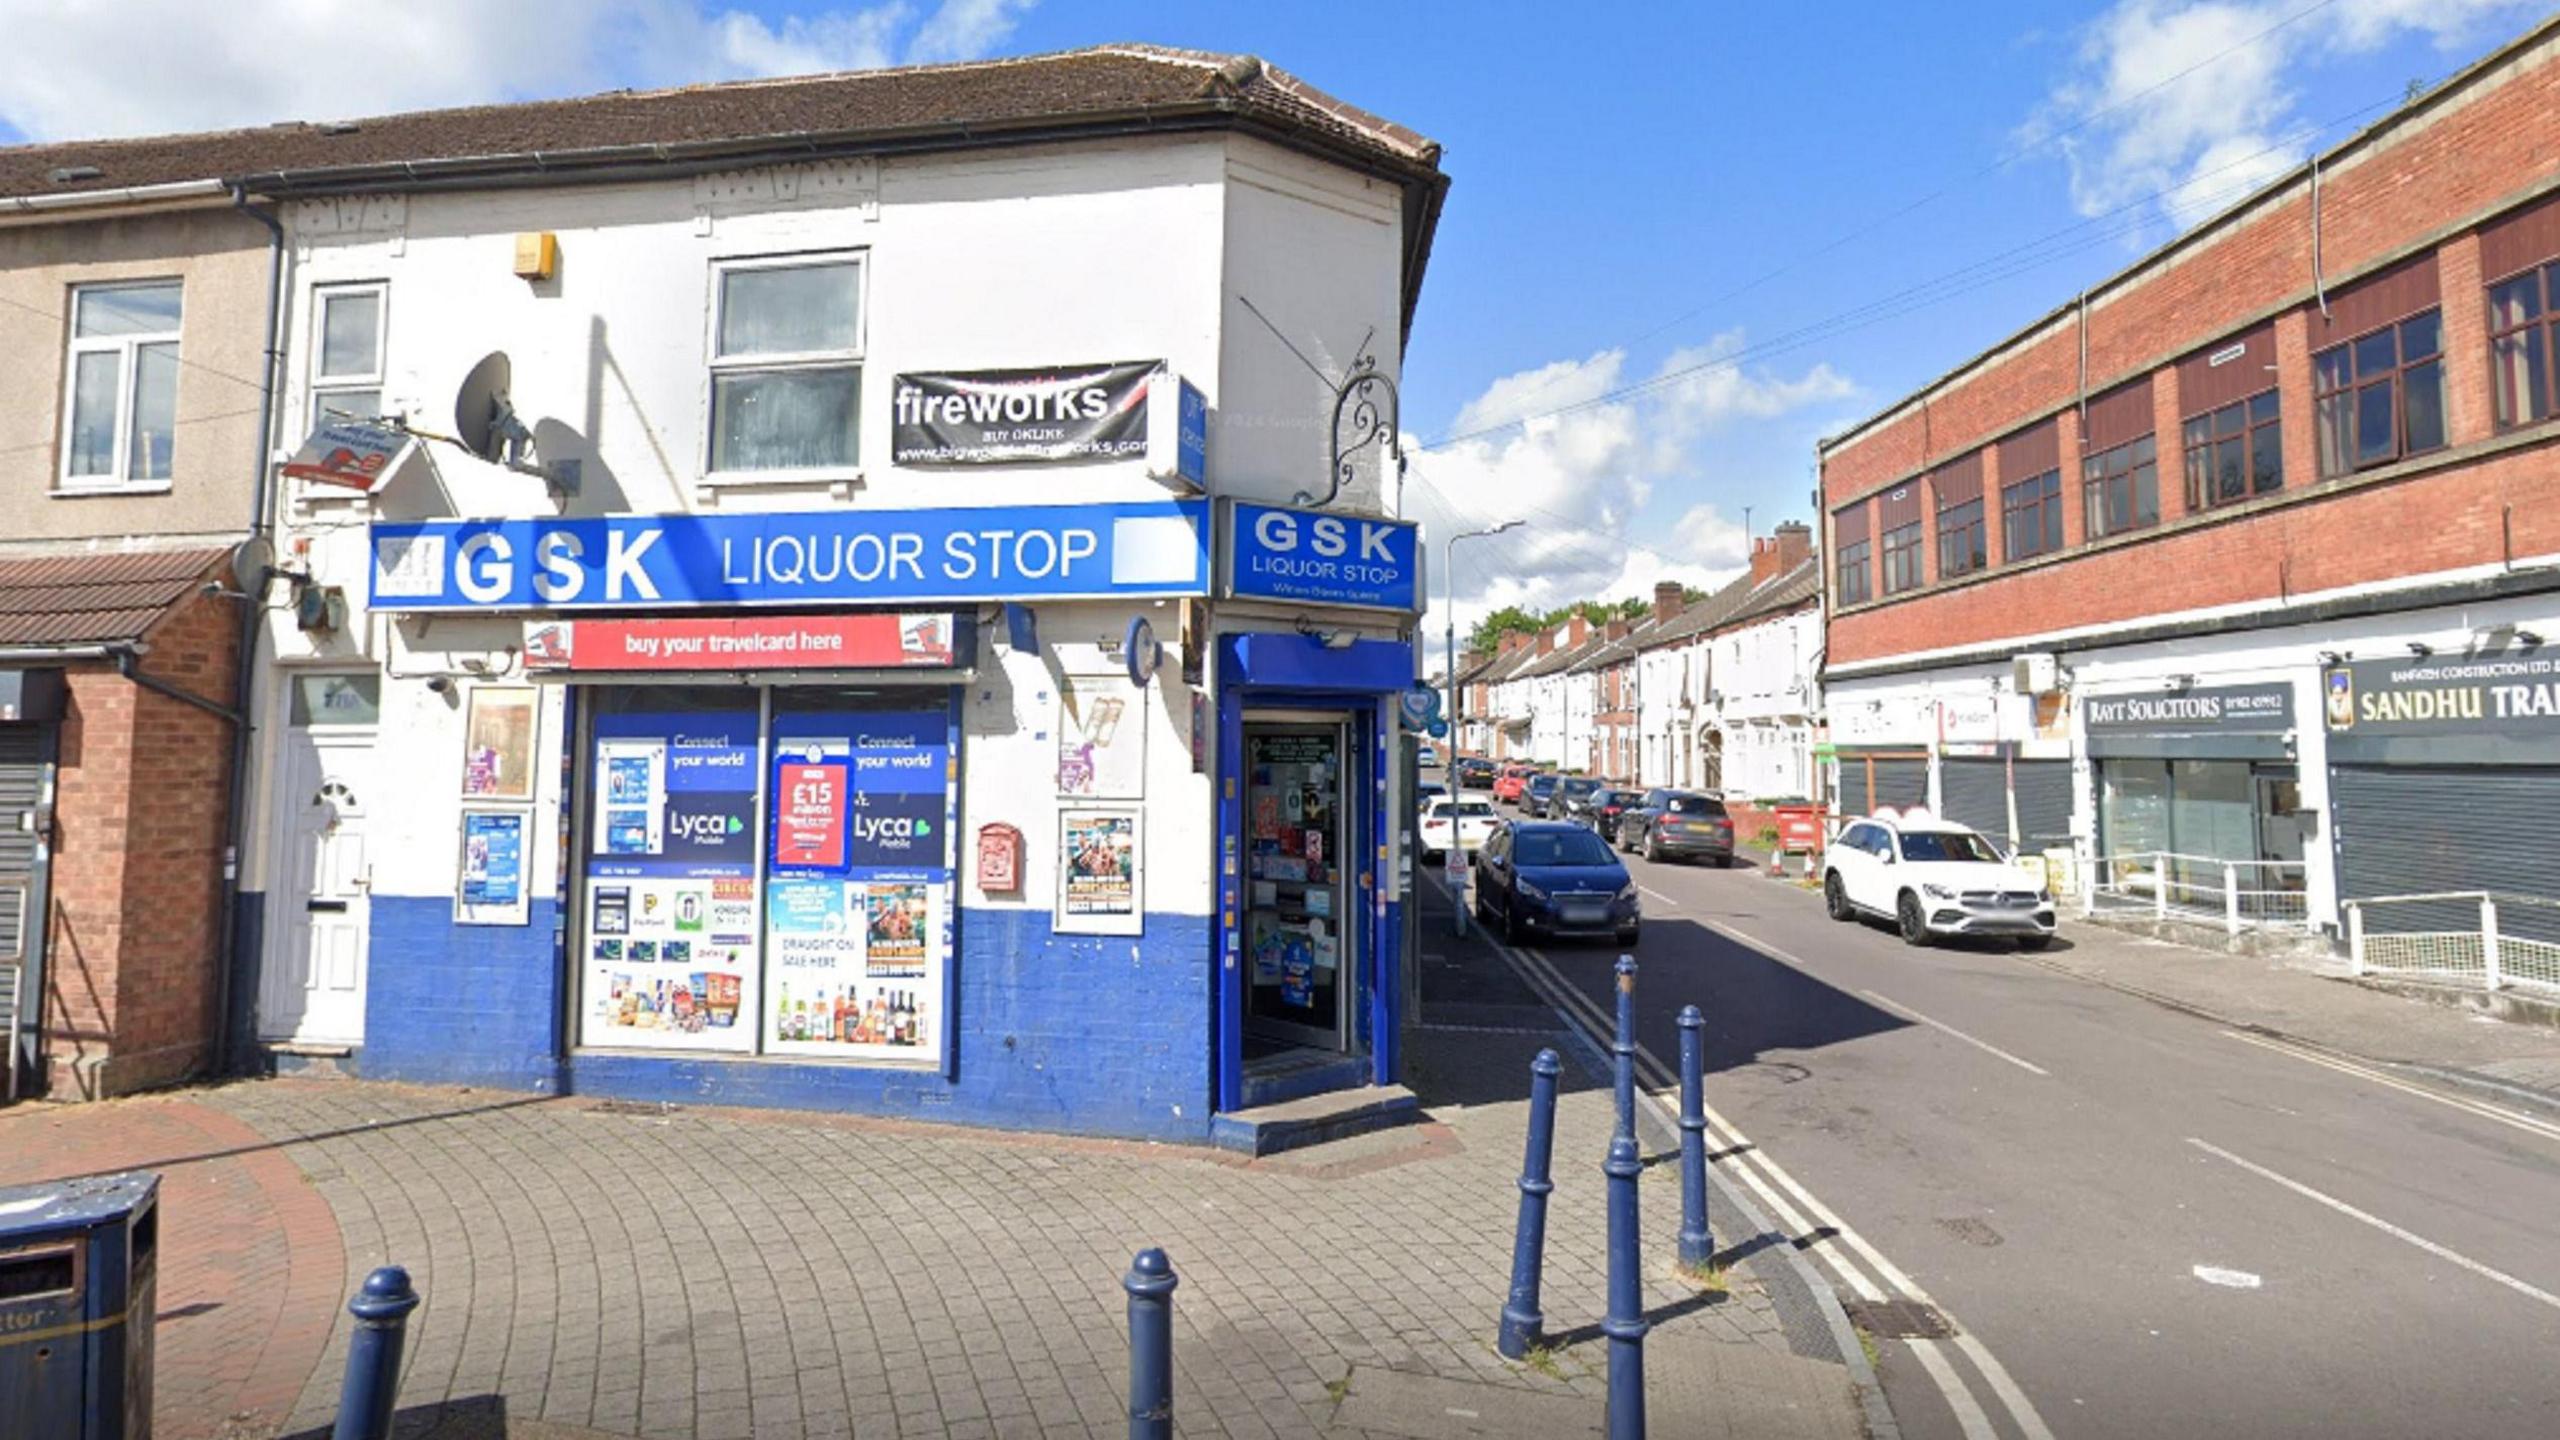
(498, 742)
(490, 888)
(1098, 879)
(855, 916)
(670, 942)
(1102, 740)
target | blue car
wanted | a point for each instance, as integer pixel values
(1553, 878)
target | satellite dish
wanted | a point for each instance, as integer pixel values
(252, 561)
(483, 416)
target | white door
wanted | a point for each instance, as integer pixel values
(319, 883)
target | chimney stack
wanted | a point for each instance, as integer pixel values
(1795, 545)
(1618, 629)
(1579, 628)
(1668, 599)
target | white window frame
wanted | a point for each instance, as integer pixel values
(319, 386)
(127, 349)
(715, 365)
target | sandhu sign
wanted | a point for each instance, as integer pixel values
(2492, 694)
(1012, 417)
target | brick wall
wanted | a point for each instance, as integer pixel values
(2438, 170)
(132, 944)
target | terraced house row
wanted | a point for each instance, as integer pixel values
(1719, 692)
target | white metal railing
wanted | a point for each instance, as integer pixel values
(2236, 894)
(2485, 938)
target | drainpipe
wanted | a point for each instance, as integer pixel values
(252, 618)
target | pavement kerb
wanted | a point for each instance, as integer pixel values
(1808, 1287)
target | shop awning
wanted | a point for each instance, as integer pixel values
(78, 602)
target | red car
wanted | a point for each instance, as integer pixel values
(1511, 781)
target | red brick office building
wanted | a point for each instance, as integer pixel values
(2251, 553)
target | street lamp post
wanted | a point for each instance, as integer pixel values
(1449, 601)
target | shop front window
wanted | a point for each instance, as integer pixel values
(2182, 820)
(766, 877)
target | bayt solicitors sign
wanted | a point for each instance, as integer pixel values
(1317, 557)
(1140, 548)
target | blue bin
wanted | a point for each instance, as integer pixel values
(79, 1295)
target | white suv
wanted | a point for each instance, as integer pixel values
(1931, 878)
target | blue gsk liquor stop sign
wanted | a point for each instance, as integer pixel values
(1318, 557)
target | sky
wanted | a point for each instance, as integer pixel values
(1682, 242)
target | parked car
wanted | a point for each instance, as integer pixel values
(1605, 808)
(1427, 753)
(1537, 798)
(1466, 824)
(1633, 819)
(1511, 781)
(1681, 825)
(1474, 773)
(1550, 878)
(1427, 791)
(1932, 878)
(1574, 796)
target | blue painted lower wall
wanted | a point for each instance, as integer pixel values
(449, 1004)
(1076, 1033)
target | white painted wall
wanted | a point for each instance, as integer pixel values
(1135, 250)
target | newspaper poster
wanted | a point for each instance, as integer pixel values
(1098, 874)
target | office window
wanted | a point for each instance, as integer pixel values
(2121, 488)
(122, 380)
(1962, 540)
(2380, 397)
(346, 349)
(1855, 583)
(2522, 336)
(2234, 452)
(786, 364)
(2031, 516)
(1902, 569)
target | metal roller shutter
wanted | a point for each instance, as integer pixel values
(1975, 793)
(1902, 783)
(2044, 805)
(21, 782)
(2414, 830)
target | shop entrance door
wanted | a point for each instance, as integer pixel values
(1300, 914)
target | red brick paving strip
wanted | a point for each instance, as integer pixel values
(242, 1234)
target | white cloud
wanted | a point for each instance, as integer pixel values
(2190, 103)
(74, 69)
(1582, 481)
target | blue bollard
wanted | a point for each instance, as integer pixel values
(382, 1311)
(1624, 1047)
(1625, 1325)
(1150, 1283)
(1523, 1324)
(1696, 1245)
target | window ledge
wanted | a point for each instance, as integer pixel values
(128, 487)
(839, 484)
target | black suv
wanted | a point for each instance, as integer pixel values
(1474, 773)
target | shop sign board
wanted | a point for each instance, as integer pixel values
(350, 455)
(1191, 436)
(1317, 557)
(868, 557)
(2486, 695)
(2199, 710)
(747, 642)
(1015, 417)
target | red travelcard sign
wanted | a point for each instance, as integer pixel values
(808, 817)
(746, 642)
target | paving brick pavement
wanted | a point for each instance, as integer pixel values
(592, 1268)
(252, 1267)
